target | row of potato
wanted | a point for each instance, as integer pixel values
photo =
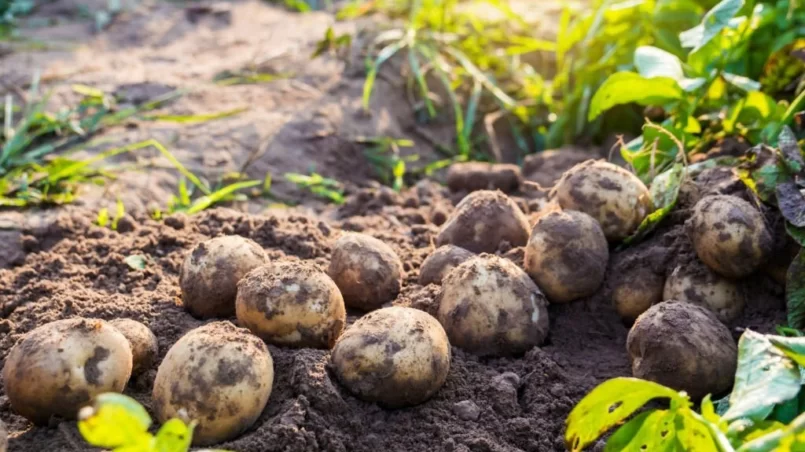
(222, 375)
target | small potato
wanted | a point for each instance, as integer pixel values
(489, 306)
(472, 176)
(60, 366)
(683, 346)
(696, 283)
(614, 197)
(143, 343)
(210, 274)
(291, 303)
(367, 271)
(567, 255)
(635, 291)
(440, 262)
(395, 356)
(221, 375)
(729, 235)
(482, 220)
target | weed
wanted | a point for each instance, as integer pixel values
(324, 187)
(384, 155)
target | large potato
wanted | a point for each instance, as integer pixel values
(143, 343)
(395, 356)
(697, 284)
(489, 306)
(210, 274)
(482, 220)
(367, 271)
(729, 235)
(683, 346)
(58, 367)
(440, 262)
(221, 375)
(291, 303)
(635, 290)
(614, 197)
(567, 255)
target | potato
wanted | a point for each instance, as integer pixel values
(221, 375)
(729, 235)
(683, 346)
(143, 343)
(472, 176)
(291, 303)
(58, 367)
(440, 262)
(489, 306)
(367, 271)
(482, 220)
(636, 290)
(394, 356)
(210, 274)
(3, 437)
(614, 197)
(696, 283)
(567, 255)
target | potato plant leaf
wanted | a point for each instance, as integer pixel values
(712, 23)
(789, 148)
(796, 233)
(795, 292)
(627, 87)
(696, 433)
(174, 436)
(791, 202)
(786, 439)
(654, 62)
(650, 430)
(609, 404)
(664, 194)
(115, 420)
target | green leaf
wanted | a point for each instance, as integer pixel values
(103, 217)
(795, 292)
(764, 378)
(653, 62)
(664, 194)
(712, 23)
(609, 404)
(627, 87)
(136, 261)
(785, 439)
(744, 83)
(114, 420)
(174, 436)
(695, 433)
(196, 119)
(648, 431)
(220, 195)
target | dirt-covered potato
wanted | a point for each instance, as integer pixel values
(614, 197)
(440, 262)
(144, 348)
(695, 283)
(683, 346)
(482, 220)
(367, 271)
(729, 235)
(636, 290)
(210, 274)
(489, 306)
(57, 368)
(291, 303)
(567, 255)
(3, 437)
(221, 375)
(472, 176)
(394, 356)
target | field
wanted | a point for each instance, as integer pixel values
(134, 131)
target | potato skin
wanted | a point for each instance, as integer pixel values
(210, 274)
(143, 342)
(490, 307)
(614, 197)
(635, 291)
(440, 262)
(729, 235)
(683, 346)
(696, 283)
(291, 303)
(472, 176)
(221, 375)
(567, 255)
(395, 356)
(367, 271)
(59, 367)
(482, 220)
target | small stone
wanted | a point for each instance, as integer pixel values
(467, 410)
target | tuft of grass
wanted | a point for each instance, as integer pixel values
(319, 185)
(384, 155)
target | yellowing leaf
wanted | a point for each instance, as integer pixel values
(174, 436)
(115, 420)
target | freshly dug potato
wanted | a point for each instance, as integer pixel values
(143, 343)
(567, 255)
(489, 306)
(60, 366)
(482, 220)
(635, 291)
(683, 346)
(291, 303)
(210, 274)
(440, 262)
(394, 356)
(729, 235)
(614, 197)
(221, 375)
(696, 283)
(367, 271)
(472, 176)
(3, 437)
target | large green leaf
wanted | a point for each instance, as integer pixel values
(653, 430)
(765, 377)
(712, 23)
(696, 433)
(654, 62)
(628, 87)
(609, 404)
(664, 194)
(115, 420)
(795, 292)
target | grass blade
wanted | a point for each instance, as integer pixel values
(196, 119)
(382, 57)
(219, 195)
